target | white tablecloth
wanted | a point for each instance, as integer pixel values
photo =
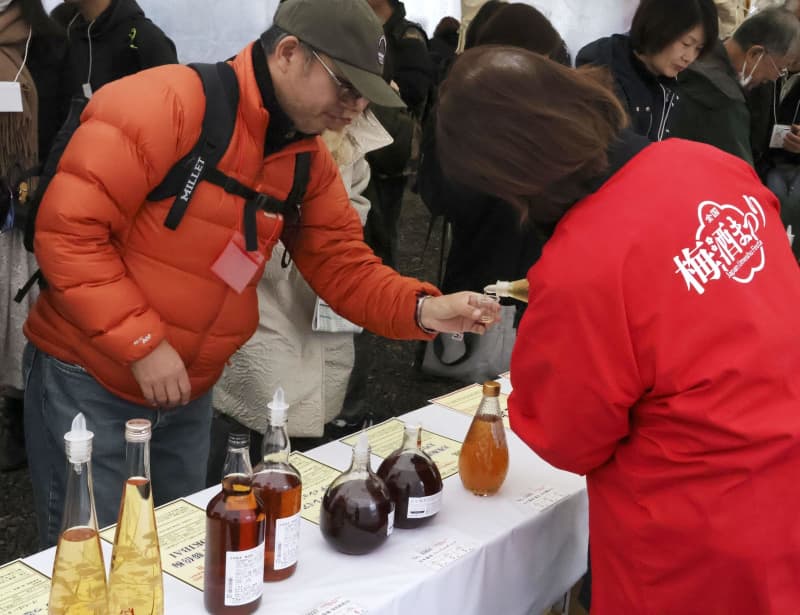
(522, 560)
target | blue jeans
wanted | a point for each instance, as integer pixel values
(56, 392)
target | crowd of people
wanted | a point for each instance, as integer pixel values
(644, 184)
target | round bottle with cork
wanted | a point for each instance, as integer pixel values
(483, 461)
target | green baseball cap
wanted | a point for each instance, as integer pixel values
(349, 32)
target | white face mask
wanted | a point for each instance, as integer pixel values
(745, 81)
(4, 4)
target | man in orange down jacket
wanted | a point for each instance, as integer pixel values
(138, 320)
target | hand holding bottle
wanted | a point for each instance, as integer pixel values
(162, 377)
(459, 312)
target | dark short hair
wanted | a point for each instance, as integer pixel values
(446, 27)
(521, 25)
(659, 23)
(481, 17)
(550, 130)
(775, 29)
(274, 35)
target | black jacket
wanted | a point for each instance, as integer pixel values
(46, 61)
(123, 42)
(713, 106)
(408, 63)
(650, 100)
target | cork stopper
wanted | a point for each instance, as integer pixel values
(491, 388)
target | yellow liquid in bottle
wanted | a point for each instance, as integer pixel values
(135, 586)
(79, 575)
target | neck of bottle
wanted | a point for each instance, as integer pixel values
(237, 463)
(79, 500)
(275, 447)
(411, 438)
(490, 406)
(137, 459)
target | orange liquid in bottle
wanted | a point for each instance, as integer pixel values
(280, 496)
(483, 462)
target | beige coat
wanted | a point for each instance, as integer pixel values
(312, 367)
(731, 14)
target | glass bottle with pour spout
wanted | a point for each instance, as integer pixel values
(518, 289)
(79, 574)
(483, 461)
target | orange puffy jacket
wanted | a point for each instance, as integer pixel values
(120, 282)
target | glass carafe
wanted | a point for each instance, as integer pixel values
(135, 584)
(483, 462)
(413, 480)
(357, 511)
(79, 575)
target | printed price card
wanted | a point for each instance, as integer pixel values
(540, 498)
(387, 437)
(316, 477)
(181, 538)
(468, 399)
(23, 590)
(443, 552)
(338, 606)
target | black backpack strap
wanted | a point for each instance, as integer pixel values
(221, 89)
(293, 203)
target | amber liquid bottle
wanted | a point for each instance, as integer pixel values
(79, 575)
(278, 486)
(413, 480)
(234, 561)
(135, 583)
(483, 462)
(357, 511)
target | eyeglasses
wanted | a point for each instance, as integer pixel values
(347, 91)
(782, 72)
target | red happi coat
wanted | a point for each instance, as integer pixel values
(660, 356)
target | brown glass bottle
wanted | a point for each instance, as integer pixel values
(413, 481)
(483, 461)
(234, 560)
(357, 513)
(279, 488)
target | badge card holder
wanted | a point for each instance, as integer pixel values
(10, 97)
(779, 132)
(236, 266)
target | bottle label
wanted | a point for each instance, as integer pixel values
(419, 508)
(390, 524)
(244, 575)
(287, 538)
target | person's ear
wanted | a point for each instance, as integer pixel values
(286, 51)
(754, 53)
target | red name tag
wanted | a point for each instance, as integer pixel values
(236, 266)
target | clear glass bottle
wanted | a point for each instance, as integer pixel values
(234, 561)
(518, 289)
(483, 461)
(278, 485)
(135, 583)
(413, 480)
(79, 574)
(357, 511)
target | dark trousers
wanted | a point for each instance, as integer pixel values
(380, 232)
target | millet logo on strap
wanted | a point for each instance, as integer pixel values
(194, 177)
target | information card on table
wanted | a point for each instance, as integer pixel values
(443, 552)
(23, 590)
(387, 437)
(338, 606)
(316, 477)
(540, 498)
(181, 538)
(468, 399)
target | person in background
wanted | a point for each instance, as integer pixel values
(24, 25)
(138, 320)
(443, 46)
(665, 38)
(659, 353)
(311, 363)
(731, 15)
(109, 39)
(713, 91)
